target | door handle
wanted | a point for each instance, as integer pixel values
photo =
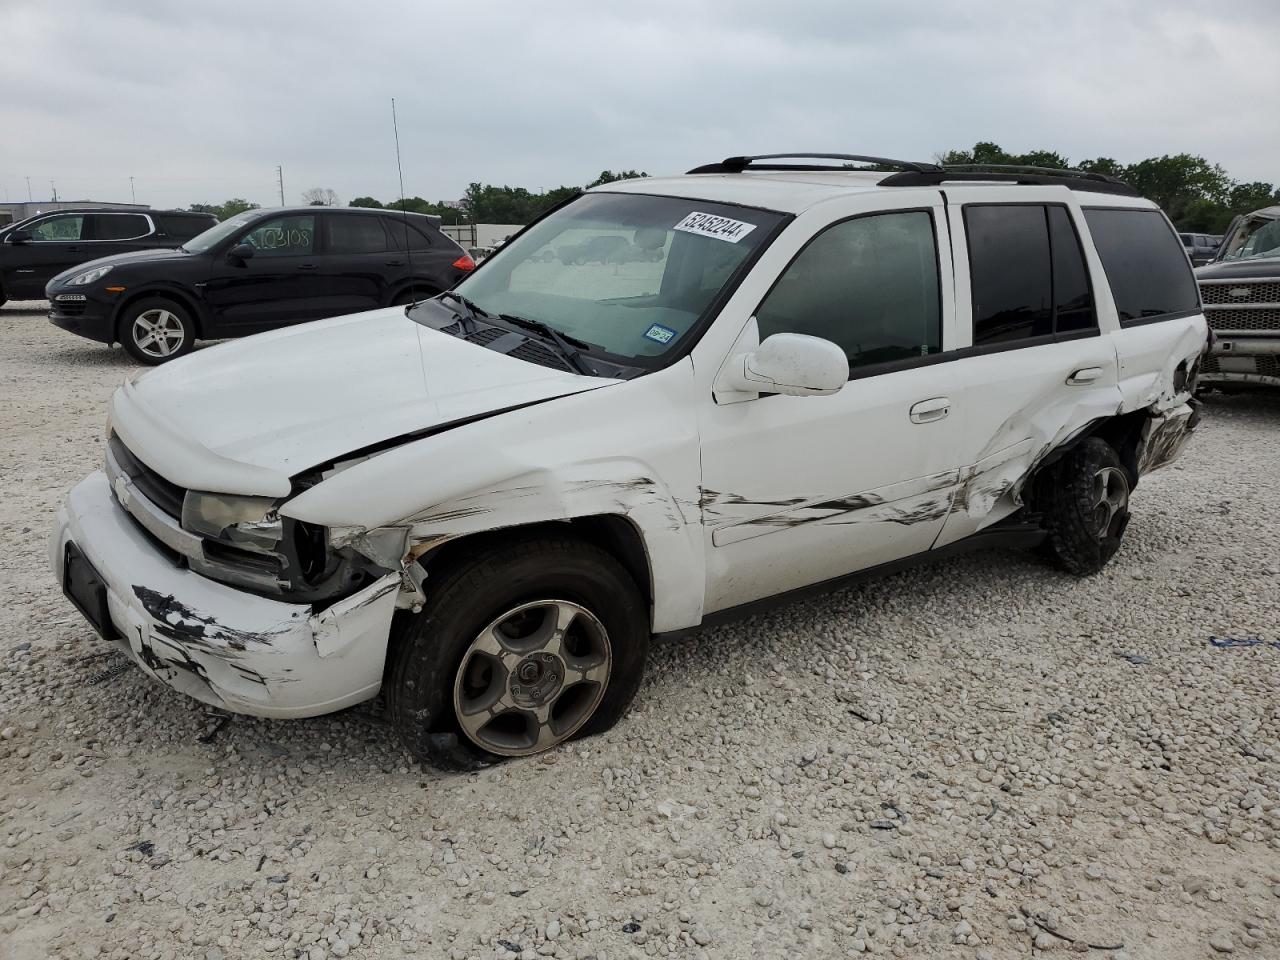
(306, 266)
(927, 411)
(1085, 375)
(394, 263)
(74, 249)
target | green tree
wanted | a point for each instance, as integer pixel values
(608, 176)
(1177, 182)
(367, 202)
(225, 210)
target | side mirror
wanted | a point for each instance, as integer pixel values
(793, 364)
(18, 236)
(241, 251)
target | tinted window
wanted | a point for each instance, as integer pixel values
(1012, 273)
(119, 226)
(183, 228)
(869, 285)
(1145, 264)
(354, 234)
(69, 227)
(283, 236)
(1072, 296)
(399, 231)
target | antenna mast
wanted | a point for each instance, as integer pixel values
(404, 213)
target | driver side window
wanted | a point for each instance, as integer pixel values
(283, 237)
(58, 229)
(869, 285)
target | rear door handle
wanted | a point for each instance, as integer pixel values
(1085, 375)
(306, 266)
(394, 263)
(927, 411)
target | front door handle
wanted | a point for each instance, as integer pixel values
(1085, 375)
(306, 266)
(927, 411)
(394, 263)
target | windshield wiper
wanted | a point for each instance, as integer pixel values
(465, 320)
(567, 346)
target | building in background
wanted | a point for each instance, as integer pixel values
(15, 211)
(484, 235)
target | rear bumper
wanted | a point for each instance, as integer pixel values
(223, 646)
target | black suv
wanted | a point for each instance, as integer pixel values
(257, 271)
(34, 249)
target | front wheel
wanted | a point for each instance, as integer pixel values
(156, 330)
(1085, 501)
(518, 650)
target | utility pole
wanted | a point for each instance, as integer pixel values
(53, 186)
(132, 195)
(28, 189)
(280, 179)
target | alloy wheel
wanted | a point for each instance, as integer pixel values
(532, 677)
(1110, 499)
(158, 333)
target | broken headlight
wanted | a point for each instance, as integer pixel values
(251, 519)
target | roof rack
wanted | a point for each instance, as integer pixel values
(1011, 173)
(739, 164)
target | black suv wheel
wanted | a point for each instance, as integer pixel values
(155, 330)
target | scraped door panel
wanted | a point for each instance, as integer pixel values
(797, 490)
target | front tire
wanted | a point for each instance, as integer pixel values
(518, 649)
(156, 330)
(1085, 501)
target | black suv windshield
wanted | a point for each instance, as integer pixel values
(627, 274)
(211, 237)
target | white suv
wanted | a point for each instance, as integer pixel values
(781, 376)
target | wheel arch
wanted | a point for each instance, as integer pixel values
(182, 298)
(1122, 431)
(405, 286)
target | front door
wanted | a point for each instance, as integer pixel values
(797, 490)
(57, 243)
(278, 285)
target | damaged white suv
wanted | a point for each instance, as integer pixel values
(661, 405)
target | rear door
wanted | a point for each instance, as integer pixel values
(278, 285)
(357, 261)
(57, 243)
(1036, 367)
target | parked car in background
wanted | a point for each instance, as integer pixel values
(486, 505)
(1200, 247)
(256, 271)
(1240, 290)
(33, 250)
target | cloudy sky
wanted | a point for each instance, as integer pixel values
(198, 101)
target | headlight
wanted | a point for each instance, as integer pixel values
(249, 520)
(88, 277)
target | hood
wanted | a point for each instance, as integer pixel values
(1233, 269)
(245, 416)
(121, 259)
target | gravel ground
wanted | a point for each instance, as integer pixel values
(982, 758)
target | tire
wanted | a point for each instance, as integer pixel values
(1085, 503)
(156, 330)
(452, 688)
(406, 297)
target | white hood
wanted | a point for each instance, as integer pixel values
(244, 417)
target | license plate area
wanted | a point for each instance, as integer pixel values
(87, 591)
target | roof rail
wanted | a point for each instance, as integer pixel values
(739, 164)
(1011, 173)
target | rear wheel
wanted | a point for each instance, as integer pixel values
(518, 650)
(1085, 501)
(156, 330)
(406, 297)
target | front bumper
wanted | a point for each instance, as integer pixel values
(89, 317)
(222, 646)
(1243, 359)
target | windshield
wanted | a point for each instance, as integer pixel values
(214, 235)
(628, 274)
(1258, 237)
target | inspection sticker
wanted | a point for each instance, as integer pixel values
(709, 225)
(660, 334)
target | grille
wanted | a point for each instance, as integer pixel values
(1267, 319)
(69, 308)
(486, 335)
(1259, 292)
(1266, 365)
(535, 352)
(165, 495)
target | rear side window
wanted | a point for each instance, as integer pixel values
(355, 234)
(118, 226)
(1028, 274)
(401, 232)
(869, 285)
(1145, 263)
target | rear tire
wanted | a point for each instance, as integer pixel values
(517, 650)
(156, 330)
(1085, 502)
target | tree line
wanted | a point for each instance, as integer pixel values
(1197, 195)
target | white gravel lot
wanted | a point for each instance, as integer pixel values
(979, 759)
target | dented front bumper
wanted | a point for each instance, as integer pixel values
(223, 646)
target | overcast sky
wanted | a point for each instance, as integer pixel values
(198, 101)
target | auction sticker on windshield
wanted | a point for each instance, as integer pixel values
(710, 225)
